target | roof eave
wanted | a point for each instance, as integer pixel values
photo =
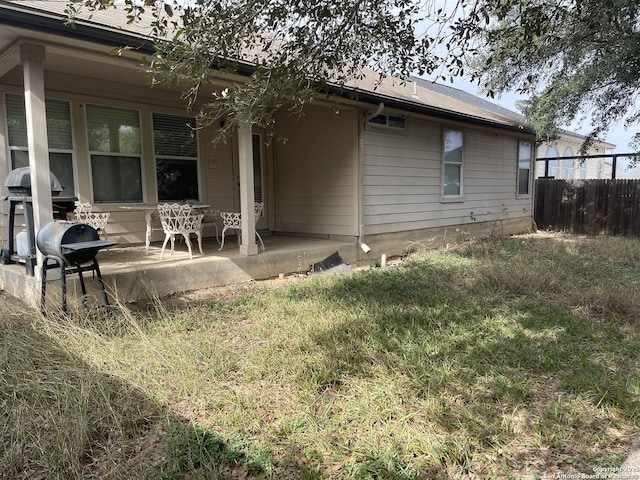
(17, 16)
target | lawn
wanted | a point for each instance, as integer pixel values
(508, 358)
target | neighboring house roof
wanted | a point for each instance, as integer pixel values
(110, 27)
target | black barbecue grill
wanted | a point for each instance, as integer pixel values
(69, 246)
(18, 183)
(72, 248)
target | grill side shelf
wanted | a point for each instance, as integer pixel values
(74, 247)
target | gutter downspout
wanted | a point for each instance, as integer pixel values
(365, 248)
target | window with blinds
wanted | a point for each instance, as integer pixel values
(176, 154)
(115, 149)
(59, 137)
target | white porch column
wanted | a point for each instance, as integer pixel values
(32, 57)
(248, 244)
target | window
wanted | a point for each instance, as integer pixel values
(567, 169)
(453, 160)
(554, 165)
(114, 146)
(391, 121)
(568, 166)
(524, 167)
(59, 138)
(176, 151)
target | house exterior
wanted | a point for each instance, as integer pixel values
(568, 145)
(383, 166)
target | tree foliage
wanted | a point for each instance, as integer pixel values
(291, 49)
(573, 59)
(576, 61)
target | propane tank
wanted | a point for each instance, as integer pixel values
(22, 244)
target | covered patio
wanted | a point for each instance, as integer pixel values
(365, 179)
(132, 275)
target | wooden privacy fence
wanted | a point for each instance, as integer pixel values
(590, 207)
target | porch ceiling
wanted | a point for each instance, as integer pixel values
(63, 55)
(95, 63)
(81, 56)
(91, 64)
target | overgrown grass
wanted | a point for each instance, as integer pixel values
(499, 359)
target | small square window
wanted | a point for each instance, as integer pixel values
(391, 121)
(379, 120)
(395, 122)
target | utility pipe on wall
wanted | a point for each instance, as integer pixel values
(365, 248)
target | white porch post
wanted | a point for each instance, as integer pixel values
(248, 244)
(32, 57)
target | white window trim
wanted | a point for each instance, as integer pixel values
(157, 156)
(530, 183)
(382, 128)
(11, 148)
(91, 153)
(460, 196)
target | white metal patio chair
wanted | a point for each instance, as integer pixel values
(97, 220)
(178, 219)
(233, 220)
(210, 220)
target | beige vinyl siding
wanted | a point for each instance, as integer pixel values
(316, 176)
(217, 172)
(401, 177)
(402, 183)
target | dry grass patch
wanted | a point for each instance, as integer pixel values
(506, 358)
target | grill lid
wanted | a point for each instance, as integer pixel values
(19, 181)
(75, 243)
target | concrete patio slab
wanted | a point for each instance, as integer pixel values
(131, 274)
